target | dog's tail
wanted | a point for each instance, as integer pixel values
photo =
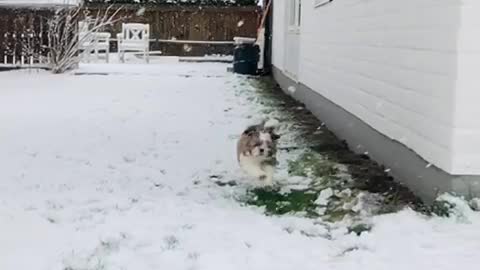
(270, 123)
(265, 123)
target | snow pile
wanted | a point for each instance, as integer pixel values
(475, 204)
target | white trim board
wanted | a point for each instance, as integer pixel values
(319, 3)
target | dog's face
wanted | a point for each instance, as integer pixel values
(259, 141)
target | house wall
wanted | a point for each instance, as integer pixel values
(406, 68)
(466, 134)
(390, 63)
(278, 33)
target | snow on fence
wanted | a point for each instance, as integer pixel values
(22, 36)
(23, 50)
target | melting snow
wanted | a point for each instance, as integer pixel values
(324, 196)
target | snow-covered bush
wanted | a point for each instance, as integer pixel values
(448, 205)
(63, 35)
(179, 2)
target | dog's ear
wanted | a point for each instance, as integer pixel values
(271, 131)
(250, 131)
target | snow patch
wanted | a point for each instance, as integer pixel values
(324, 196)
(292, 89)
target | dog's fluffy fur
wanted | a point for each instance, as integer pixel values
(256, 152)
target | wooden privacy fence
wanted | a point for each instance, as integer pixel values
(175, 30)
(191, 30)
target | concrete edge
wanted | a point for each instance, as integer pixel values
(406, 166)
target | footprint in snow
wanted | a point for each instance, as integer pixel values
(171, 242)
(129, 159)
(193, 256)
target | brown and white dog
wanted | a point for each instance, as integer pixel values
(256, 152)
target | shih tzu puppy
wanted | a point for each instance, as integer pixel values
(256, 152)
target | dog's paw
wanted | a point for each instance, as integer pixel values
(264, 181)
(266, 188)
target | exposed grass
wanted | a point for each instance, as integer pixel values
(323, 155)
(276, 203)
(312, 164)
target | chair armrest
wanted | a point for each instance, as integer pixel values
(103, 35)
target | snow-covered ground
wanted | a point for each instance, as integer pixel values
(112, 169)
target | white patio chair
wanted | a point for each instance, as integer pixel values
(134, 38)
(93, 42)
(84, 38)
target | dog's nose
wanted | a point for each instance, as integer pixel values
(262, 150)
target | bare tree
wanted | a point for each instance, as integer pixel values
(64, 36)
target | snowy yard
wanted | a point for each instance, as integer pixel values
(116, 168)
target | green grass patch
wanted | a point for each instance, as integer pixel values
(276, 203)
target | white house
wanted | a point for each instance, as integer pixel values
(397, 79)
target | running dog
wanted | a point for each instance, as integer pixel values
(256, 152)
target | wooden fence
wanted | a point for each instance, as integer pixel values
(170, 26)
(175, 30)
